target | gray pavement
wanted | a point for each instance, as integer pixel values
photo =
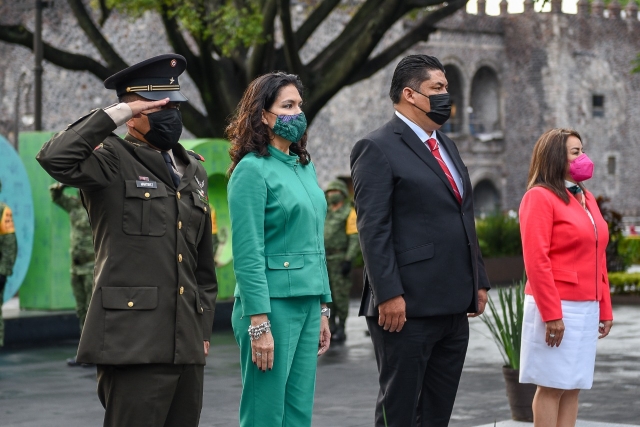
(38, 389)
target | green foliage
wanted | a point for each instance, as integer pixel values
(629, 249)
(499, 235)
(624, 283)
(505, 322)
(223, 22)
(636, 64)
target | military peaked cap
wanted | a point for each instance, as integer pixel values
(154, 78)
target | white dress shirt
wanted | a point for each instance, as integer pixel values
(424, 136)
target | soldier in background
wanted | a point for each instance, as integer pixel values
(8, 253)
(81, 250)
(341, 246)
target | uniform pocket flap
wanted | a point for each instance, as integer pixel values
(130, 298)
(132, 190)
(285, 262)
(419, 253)
(565, 276)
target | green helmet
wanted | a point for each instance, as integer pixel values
(339, 185)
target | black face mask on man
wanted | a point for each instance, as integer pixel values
(165, 128)
(440, 107)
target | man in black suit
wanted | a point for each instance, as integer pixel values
(423, 268)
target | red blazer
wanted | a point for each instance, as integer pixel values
(562, 258)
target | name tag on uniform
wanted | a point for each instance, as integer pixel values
(146, 184)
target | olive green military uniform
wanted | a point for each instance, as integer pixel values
(342, 247)
(155, 283)
(81, 249)
(8, 254)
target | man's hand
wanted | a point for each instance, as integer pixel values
(206, 348)
(393, 314)
(482, 302)
(141, 106)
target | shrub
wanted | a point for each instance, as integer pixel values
(624, 283)
(629, 249)
(499, 235)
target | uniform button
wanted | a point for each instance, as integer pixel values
(179, 225)
(181, 290)
(286, 264)
(179, 257)
(178, 195)
(130, 303)
(201, 309)
(147, 195)
(205, 208)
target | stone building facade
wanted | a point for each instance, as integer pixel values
(511, 77)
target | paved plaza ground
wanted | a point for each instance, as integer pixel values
(38, 389)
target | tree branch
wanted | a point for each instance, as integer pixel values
(420, 32)
(95, 36)
(105, 11)
(19, 35)
(294, 64)
(178, 43)
(260, 52)
(314, 20)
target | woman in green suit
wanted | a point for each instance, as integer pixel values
(277, 223)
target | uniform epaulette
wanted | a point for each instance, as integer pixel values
(196, 155)
(82, 118)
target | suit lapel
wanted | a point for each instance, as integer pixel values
(410, 138)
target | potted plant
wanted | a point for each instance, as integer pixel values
(501, 247)
(505, 324)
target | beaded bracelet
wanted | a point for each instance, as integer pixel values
(256, 332)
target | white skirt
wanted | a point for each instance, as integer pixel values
(569, 366)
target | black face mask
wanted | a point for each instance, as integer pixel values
(165, 128)
(440, 107)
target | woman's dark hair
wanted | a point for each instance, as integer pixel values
(549, 162)
(247, 132)
(411, 71)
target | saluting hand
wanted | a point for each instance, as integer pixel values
(141, 106)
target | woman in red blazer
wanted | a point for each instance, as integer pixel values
(567, 300)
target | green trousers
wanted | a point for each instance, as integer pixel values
(284, 395)
(82, 286)
(340, 289)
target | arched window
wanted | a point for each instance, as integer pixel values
(454, 124)
(484, 114)
(486, 198)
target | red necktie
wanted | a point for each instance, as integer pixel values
(435, 150)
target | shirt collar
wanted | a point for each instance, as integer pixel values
(569, 184)
(421, 133)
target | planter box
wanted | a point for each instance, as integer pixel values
(504, 270)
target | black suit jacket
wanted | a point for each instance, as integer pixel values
(417, 240)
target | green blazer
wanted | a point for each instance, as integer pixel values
(277, 223)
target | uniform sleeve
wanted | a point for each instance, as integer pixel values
(79, 156)
(373, 186)
(207, 281)
(247, 196)
(536, 226)
(67, 203)
(8, 253)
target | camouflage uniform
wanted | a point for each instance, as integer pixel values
(341, 246)
(8, 253)
(81, 249)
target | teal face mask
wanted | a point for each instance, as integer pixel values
(290, 127)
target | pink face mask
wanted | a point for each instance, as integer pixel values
(581, 169)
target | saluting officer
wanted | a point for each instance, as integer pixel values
(151, 314)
